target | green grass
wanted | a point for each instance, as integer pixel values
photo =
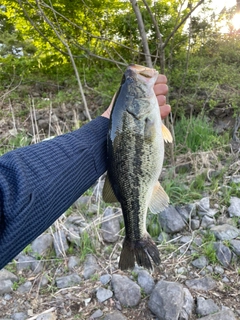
(197, 134)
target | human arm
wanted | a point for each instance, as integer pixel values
(40, 182)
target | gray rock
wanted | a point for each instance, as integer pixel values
(200, 262)
(104, 294)
(19, 316)
(96, 314)
(234, 208)
(44, 280)
(60, 243)
(163, 237)
(184, 213)
(105, 279)
(75, 225)
(115, 315)
(36, 266)
(42, 244)
(25, 287)
(195, 224)
(47, 316)
(206, 307)
(110, 225)
(167, 300)
(90, 266)
(218, 270)
(207, 222)
(73, 262)
(225, 232)
(188, 305)
(83, 200)
(170, 220)
(224, 254)
(126, 291)
(235, 246)
(222, 315)
(7, 275)
(235, 178)
(146, 282)
(5, 286)
(182, 270)
(24, 262)
(68, 281)
(204, 208)
(201, 284)
(186, 239)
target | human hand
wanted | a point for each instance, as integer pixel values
(161, 89)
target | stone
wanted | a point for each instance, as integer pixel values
(47, 316)
(234, 208)
(110, 225)
(24, 262)
(73, 262)
(60, 243)
(42, 244)
(222, 315)
(90, 266)
(200, 262)
(207, 222)
(195, 224)
(167, 300)
(206, 307)
(146, 282)
(218, 270)
(68, 281)
(97, 314)
(7, 275)
(188, 305)
(6, 286)
(125, 290)
(105, 278)
(204, 208)
(225, 232)
(224, 254)
(184, 213)
(75, 225)
(25, 287)
(19, 316)
(115, 315)
(171, 221)
(201, 284)
(163, 237)
(235, 244)
(104, 294)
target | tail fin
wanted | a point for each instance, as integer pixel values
(141, 250)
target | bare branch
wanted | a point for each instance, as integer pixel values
(142, 33)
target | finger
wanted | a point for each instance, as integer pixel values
(161, 100)
(165, 110)
(160, 88)
(161, 79)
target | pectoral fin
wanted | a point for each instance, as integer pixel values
(166, 134)
(159, 200)
(108, 194)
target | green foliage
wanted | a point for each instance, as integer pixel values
(208, 247)
(197, 134)
(86, 245)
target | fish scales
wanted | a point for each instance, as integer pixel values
(135, 157)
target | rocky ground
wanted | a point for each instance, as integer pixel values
(71, 271)
(198, 278)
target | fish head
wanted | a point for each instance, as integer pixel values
(136, 95)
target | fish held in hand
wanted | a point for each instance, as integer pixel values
(135, 158)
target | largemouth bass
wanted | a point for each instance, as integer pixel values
(135, 157)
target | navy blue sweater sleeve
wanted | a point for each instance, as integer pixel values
(40, 182)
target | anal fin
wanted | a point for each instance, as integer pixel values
(159, 200)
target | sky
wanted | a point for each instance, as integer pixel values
(219, 4)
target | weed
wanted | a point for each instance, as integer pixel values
(86, 245)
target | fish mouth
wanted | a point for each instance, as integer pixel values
(144, 71)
